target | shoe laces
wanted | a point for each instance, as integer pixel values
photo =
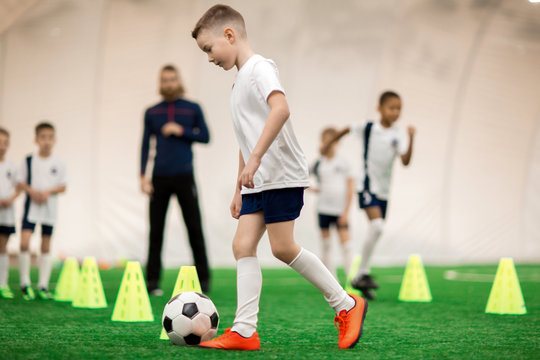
(341, 322)
(227, 333)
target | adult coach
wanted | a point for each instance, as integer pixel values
(175, 123)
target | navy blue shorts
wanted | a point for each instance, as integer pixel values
(326, 220)
(277, 205)
(7, 230)
(45, 229)
(368, 199)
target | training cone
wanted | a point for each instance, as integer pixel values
(66, 287)
(187, 280)
(353, 271)
(414, 286)
(90, 294)
(132, 303)
(506, 296)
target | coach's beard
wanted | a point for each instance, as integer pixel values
(170, 94)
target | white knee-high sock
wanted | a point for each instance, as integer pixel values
(4, 264)
(346, 250)
(24, 268)
(44, 271)
(326, 255)
(374, 233)
(313, 270)
(248, 285)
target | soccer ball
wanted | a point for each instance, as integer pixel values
(190, 318)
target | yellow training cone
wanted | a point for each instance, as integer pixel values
(66, 288)
(353, 271)
(414, 286)
(132, 302)
(505, 296)
(90, 294)
(187, 280)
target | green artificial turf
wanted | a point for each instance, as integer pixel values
(295, 322)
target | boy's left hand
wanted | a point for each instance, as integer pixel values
(411, 130)
(246, 177)
(343, 219)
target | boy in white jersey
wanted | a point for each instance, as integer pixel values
(335, 192)
(272, 175)
(8, 194)
(382, 143)
(42, 176)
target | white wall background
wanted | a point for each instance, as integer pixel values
(468, 72)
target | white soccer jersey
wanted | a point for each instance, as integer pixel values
(45, 174)
(284, 164)
(8, 184)
(384, 145)
(332, 177)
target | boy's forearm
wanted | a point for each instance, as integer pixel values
(57, 190)
(241, 166)
(350, 194)
(15, 194)
(23, 187)
(276, 119)
(406, 158)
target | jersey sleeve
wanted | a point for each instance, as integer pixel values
(62, 174)
(145, 145)
(22, 173)
(348, 170)
(199, 131)
(266, 76)
(403, 145)
(357, 129)
(14, 175)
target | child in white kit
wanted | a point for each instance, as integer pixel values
(42, 176)
(272, 175)
(8, 194)
(335, 191)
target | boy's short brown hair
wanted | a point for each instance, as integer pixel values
(220, 15)
(43, 125)
(4, 131)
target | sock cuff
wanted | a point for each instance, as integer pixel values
(247, 260)
(297, 256)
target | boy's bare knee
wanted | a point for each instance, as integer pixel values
(285, 254)
(240, 250)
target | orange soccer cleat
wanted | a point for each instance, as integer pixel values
(231, 340)
(351, 323)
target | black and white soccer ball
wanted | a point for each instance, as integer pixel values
(190, 318)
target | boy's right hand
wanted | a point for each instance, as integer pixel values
(35, 196)
(236, 205)
(146, 186)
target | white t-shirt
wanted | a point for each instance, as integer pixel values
(45, 174)
(8, 184)
(384, 145)
(284, 164)
(332, 177)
